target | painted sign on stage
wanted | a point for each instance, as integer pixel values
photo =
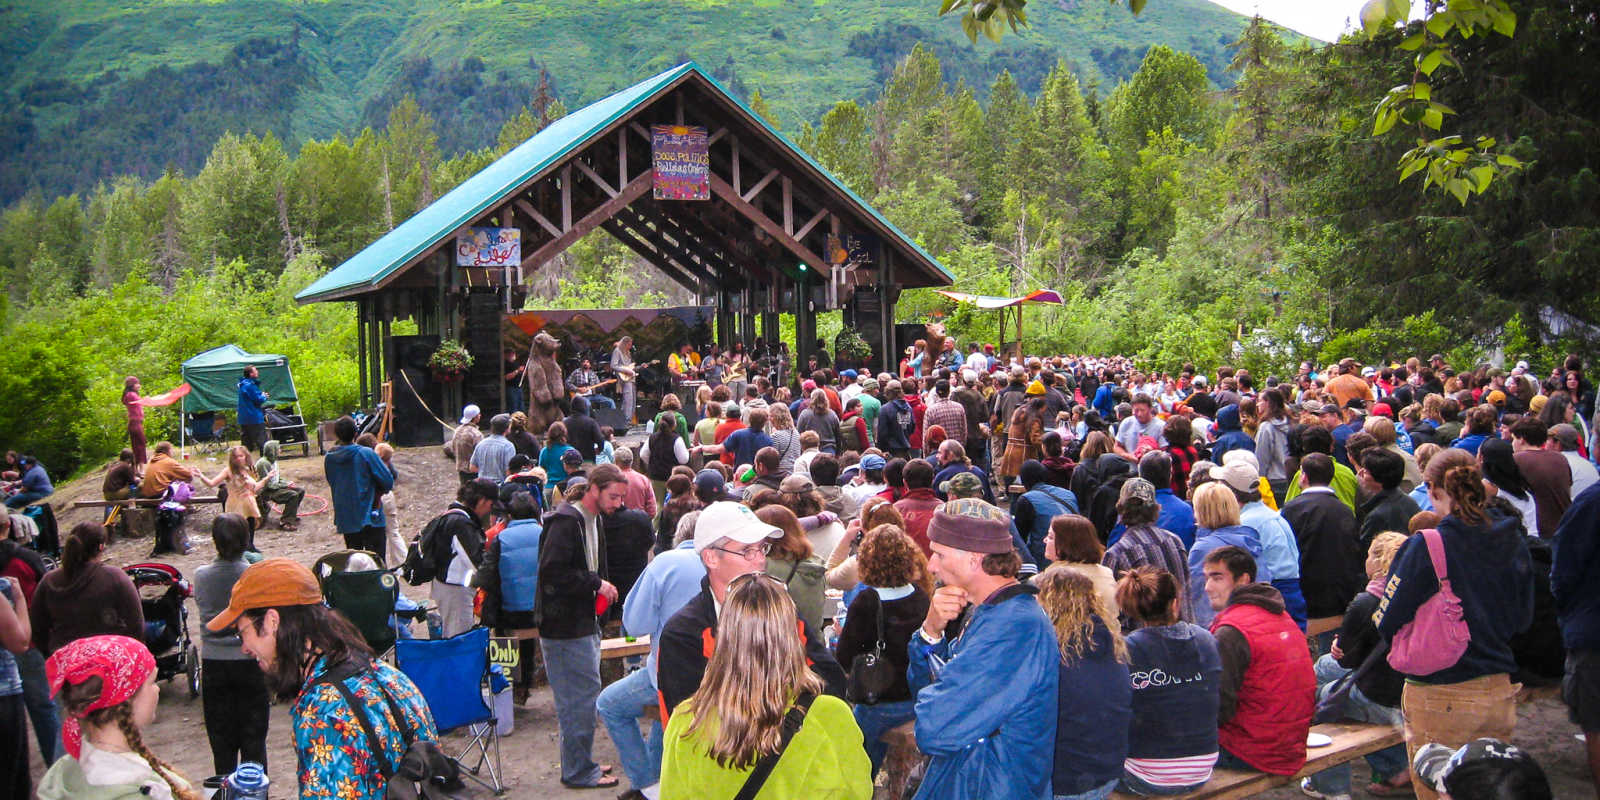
(489, 247)
(682, 160)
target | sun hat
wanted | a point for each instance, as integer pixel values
(726, 519)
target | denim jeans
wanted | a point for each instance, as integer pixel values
(1100, 793)
(878, 720)
(619, 706)
(42, 709)
(1385, 763)
(573, 667)
(601, 401)
(21, 499)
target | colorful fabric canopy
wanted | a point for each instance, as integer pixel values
(989, 301)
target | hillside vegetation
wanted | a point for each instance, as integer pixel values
(98, 88)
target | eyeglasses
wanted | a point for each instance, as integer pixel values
(757, 550)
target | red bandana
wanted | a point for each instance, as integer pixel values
(121, 663)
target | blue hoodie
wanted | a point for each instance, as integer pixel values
(251, 399)
(356, 479)
(1206, 540)
(1576, 571)
(1231, 435)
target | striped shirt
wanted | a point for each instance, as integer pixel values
(1164, 772)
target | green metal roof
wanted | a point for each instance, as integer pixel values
(491, 185)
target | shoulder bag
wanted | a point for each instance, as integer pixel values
(1332, 707)
(424, 771)
(871, 674)
(792, 721)
(1437, 636)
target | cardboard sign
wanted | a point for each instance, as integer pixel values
(505, 651)
(682, 160)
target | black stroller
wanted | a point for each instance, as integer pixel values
(163, 592)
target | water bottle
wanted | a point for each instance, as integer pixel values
(248, 782)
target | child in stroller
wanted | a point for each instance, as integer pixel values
(163, 592)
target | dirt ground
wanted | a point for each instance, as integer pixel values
(530, 755)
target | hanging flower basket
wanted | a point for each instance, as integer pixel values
(450, 361)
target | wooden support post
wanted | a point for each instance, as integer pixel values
(788, 206)
(566, 198)
(735, 163)
(622, 158)
(361, 350)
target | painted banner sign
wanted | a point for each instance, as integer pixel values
(682, 161)
(489, 247)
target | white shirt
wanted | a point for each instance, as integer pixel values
(978, 362)
(105, 768)
(1583, 472)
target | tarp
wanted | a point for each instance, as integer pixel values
(1044, 296)
(213, 377)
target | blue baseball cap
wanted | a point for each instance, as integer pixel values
(873, 462)
(849, 373)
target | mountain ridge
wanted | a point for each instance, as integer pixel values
(96, 88)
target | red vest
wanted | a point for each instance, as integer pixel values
(1278, 695)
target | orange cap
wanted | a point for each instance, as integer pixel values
(268, 584)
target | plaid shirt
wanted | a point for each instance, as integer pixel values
(1147, 544)
(951, 416)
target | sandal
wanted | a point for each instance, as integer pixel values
(1386, 789)
(605, 782)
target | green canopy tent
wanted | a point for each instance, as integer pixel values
(213, 378)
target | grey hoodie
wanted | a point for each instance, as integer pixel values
(1272, 449)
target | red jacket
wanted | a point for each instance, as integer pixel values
(1278, 694)
(917, 508)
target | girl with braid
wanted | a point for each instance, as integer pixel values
(107, 686)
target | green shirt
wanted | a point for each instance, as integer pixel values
(869, 412)
(1344, 485)
(824, 760)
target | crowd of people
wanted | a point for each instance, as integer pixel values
(1063, 571)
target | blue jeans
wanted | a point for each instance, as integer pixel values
(41, 708)
(21, 499)
(619, 706)
(1100, 793)
(877, 720)
(1385, 763)
(598, 400)
(573, 668)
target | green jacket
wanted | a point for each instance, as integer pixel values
(824, 761)
(1344, 485)
(65, 781)
(264, 465)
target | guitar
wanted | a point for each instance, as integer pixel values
(588, 390)
(632, 373)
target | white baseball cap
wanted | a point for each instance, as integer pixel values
(726, 519)
(469, 413)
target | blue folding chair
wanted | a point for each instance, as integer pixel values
(450, 674)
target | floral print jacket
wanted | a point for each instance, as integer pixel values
(330, 745)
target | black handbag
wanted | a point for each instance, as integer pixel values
(871, 674)
(1332, 708)
(424, 771)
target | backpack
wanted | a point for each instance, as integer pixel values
(1103, 502)
(849, 436)
(423, 562)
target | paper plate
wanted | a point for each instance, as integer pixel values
(1318, 740)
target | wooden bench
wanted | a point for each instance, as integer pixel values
(615, 647)
(1351, 740)
(143, 502)
(1316, 626)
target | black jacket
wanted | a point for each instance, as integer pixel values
(1388, 510)
(584, 434)
(567, 587)
(1332, 563)
(1357, 636)
(687, 642)
(629, 536)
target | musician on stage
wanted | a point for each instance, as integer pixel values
(582, 383)
(684, 364)
(627, 375)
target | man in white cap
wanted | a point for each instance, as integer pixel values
(731, 542)
(1279, 549)
(464, 441)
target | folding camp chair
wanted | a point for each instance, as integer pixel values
(365, 597)
(441, 668)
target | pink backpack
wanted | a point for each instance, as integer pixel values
(1437, 637)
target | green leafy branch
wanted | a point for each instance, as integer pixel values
(1446, 162)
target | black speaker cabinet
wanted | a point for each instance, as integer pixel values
(415, 391)
(612, 417)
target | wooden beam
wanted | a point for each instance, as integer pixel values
(660, 261)
(709, 263)
(693, 263)
(635, 189)
(721, 189)
(712, 139)
(733, 257)
(622, 158)
(527, 208)
(800, 235)
(761, 184)
(593, 176)
(566, 197)
(734, 141)
(788, 205)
